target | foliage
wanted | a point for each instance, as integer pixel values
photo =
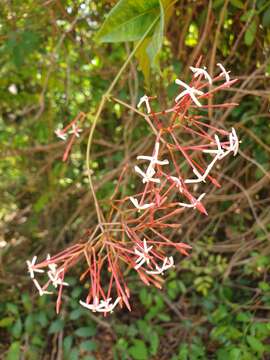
(216, 304)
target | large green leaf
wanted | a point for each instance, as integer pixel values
(129, 20)
(147, 53)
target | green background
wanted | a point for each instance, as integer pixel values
(215, 304)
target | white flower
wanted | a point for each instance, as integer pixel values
(40, 290)
(191, 91)
(167, 264)
(202, 177)
(54, 277)
(93, 307)
(193, 203)
(177, 182)
(224, 72)
(234, 146)
(60, 134)
(201, 71)
(154, 159)
(150, 172)
(145, 99)
(138, 206)
(142, 253)
(75, 130)
(31, 265)
(105, 305)
(102, 306)
(234, 142)
(148, 176)
(51, 266)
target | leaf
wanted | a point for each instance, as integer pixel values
(255, 344)
(237, 3)
(148, 52)
(17, 328)
(88, 345)
(14, 351)
(7, 321)
(128, 20)
(250, 33)
(56, 326)
(86, 331)
(266, 18)
(154, 342)
(139, 350)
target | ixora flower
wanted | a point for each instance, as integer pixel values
(31, 267)
(143, 254)
(194, 202)
(138, 206)
(145, 99)
(75, 130)
(201, 71)
(103, 306)
(150, 172)
(191, 91)
(167, 264)
(139, 238)
(61, 134)
(224, 72)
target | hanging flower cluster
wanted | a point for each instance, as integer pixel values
(137, 231)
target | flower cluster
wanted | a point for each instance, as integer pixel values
(73, 130)
(136, 234)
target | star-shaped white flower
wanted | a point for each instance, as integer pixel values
(147, 176)
(102, 306)
(202, 177)
(224, 72)
(193, 203)
(177, 181)
(31, 269)
(40, 290)
(191, 91)
(105, 305)
(145, 99)
(167, 264)
(138, 206)
(201, 71)
(142, 253)
(75, 130)
(150, 172)
(55, 279)
(60, 134)
(93, 307)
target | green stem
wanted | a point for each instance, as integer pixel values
(104, 98)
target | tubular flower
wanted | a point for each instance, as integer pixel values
(139, 238)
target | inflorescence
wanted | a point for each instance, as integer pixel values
(138, 229)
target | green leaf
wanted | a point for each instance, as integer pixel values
(255, 344)
(129, 20)
(14, 351)
(238, 4)
(139, 350)
(74, 354)
(56, 326)
(266, 18)
(154, 342)
(88, 345)
(17, 328)
(67, 343)
(250, 33)
(7, 321)
(86, 331)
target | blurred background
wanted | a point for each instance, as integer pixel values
(215, 304)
